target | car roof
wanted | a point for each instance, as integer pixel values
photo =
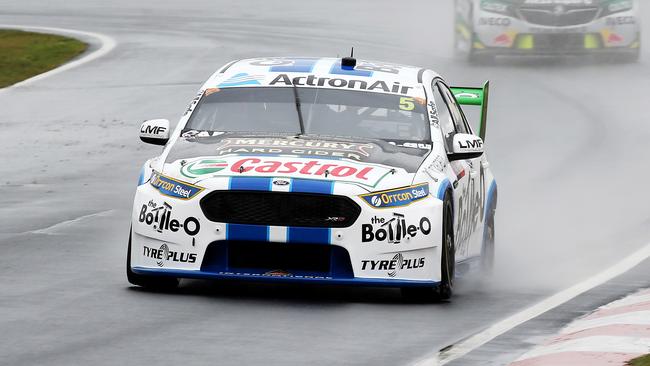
(320, 72)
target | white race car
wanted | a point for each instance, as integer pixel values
(487, 28)
(319, 170)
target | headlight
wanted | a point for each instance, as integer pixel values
(497, 6)
(618, 6)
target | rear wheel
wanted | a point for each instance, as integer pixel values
(158, 283)
(445, 289)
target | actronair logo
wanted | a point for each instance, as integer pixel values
(397, 197)
(313, 80)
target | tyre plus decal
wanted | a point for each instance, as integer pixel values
(393, 266)
(164, 254)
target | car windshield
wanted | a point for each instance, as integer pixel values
(324, 112)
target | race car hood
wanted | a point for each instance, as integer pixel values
(198, 156)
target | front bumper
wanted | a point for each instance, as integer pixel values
(498, 34)
(182, 242)
(240, 276)
(563, 44)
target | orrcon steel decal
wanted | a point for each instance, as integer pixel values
(174, 188)
(334, 170)
(397, 197)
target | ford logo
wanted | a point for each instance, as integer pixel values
(281, 182)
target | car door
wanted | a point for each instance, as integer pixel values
(459, 174)
(469, 185)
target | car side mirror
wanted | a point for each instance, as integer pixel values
(466, 146)
(155, 131)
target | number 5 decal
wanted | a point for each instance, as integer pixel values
(406, 104)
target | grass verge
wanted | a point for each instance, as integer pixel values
(25, 54)
(641, 361)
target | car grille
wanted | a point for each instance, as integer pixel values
(551, 17)
(559, 42)
(258, 258)
(280, 209)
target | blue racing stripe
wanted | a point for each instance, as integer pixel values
(247, 232)
(443, 188)
(337, 69)
(296, 65)
(250, 184)
(490, 196)
(141, 179)
(312, 186)
(308, 235)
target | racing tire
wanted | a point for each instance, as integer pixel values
(156, 283)
(445, 288)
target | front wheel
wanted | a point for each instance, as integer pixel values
(157, 283)
(445, 288)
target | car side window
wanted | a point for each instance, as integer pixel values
(456, 112)
(444, 115)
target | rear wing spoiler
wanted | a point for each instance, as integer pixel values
(477, 97)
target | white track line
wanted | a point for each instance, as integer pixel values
(630, 300)
(106, 45)
(466, 346)
(597, 344)
(628, 318)
(52, 230)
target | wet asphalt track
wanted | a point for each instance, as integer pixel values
(567, 141)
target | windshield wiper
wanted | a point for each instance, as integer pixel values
(298, 109)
